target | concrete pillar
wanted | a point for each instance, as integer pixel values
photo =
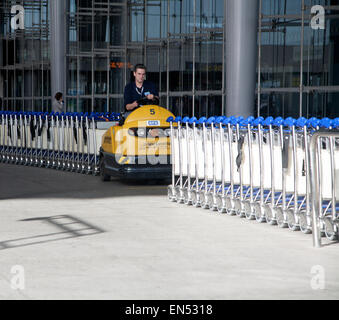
(57, 46)
(241, 56)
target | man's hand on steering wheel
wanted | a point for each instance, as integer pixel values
(147, 101)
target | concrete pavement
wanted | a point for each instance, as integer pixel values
(70, 236)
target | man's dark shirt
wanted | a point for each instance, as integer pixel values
(132, 93)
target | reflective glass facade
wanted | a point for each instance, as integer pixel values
(182, 43)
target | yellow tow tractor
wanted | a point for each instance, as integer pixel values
(139, 147)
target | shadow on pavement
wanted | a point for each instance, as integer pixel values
(25, 182)
(69, 226)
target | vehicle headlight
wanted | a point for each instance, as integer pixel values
(141, 132)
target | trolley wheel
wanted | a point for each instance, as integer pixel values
(237, 207)
(230, 206)
(281, 221)
(249, 210)
(221, 206)
(195, 198)
(270, 215)
(188, 197)
(177, 192)
(303, 223)
(240, 211)
(259, 214)
(184, 195)
(292, 220)
(171, 193)
(103, 175)
(204, 200)
(179, 195)
(331, 231)
(212, 199)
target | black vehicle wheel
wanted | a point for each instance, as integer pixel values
(103, 175)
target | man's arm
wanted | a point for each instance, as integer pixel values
(128, 99)
(131, 106)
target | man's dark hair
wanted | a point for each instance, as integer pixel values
(139, 66)
(58, 95)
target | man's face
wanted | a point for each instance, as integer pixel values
(139, 75)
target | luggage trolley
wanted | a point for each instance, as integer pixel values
(328, 173)
(199, 161)
(188, 159)
(174, 188)
(205, 194)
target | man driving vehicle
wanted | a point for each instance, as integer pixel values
(138, 89)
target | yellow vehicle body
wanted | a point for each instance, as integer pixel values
(140, 147)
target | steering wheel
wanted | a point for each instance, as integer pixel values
(144, 101)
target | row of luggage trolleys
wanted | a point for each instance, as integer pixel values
(256, 168)
(67, 141)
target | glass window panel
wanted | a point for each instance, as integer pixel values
(28, 81)
(71, 105)
(10, 82)
(116, 29)
(321, 52)
(100, 75)
(10, 105)
(85, 4)
(18, 105)
(36, 54)
(116, 104)
(28, 105)
(85, 81)
(28, 51)
(85, 105)
(280, 57)
(284, 104)
(153, 65)
(85, 33)
(154, 19)
(37, 83)
(10, 50)
(100, 105)
(137, 23)
(181, 16)
(72, 34)
(19, 83)
(180, 66)
(19, 50)
(270, 7)
(163, 69)
(45, 50)
(46, 105)
(101, 31)
(72, 6)
(321, 104)
(116, 77)
(46, 83)
(72, 76)
(133, 57)
(37, 103)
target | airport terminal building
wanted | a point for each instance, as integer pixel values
(232, 57)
